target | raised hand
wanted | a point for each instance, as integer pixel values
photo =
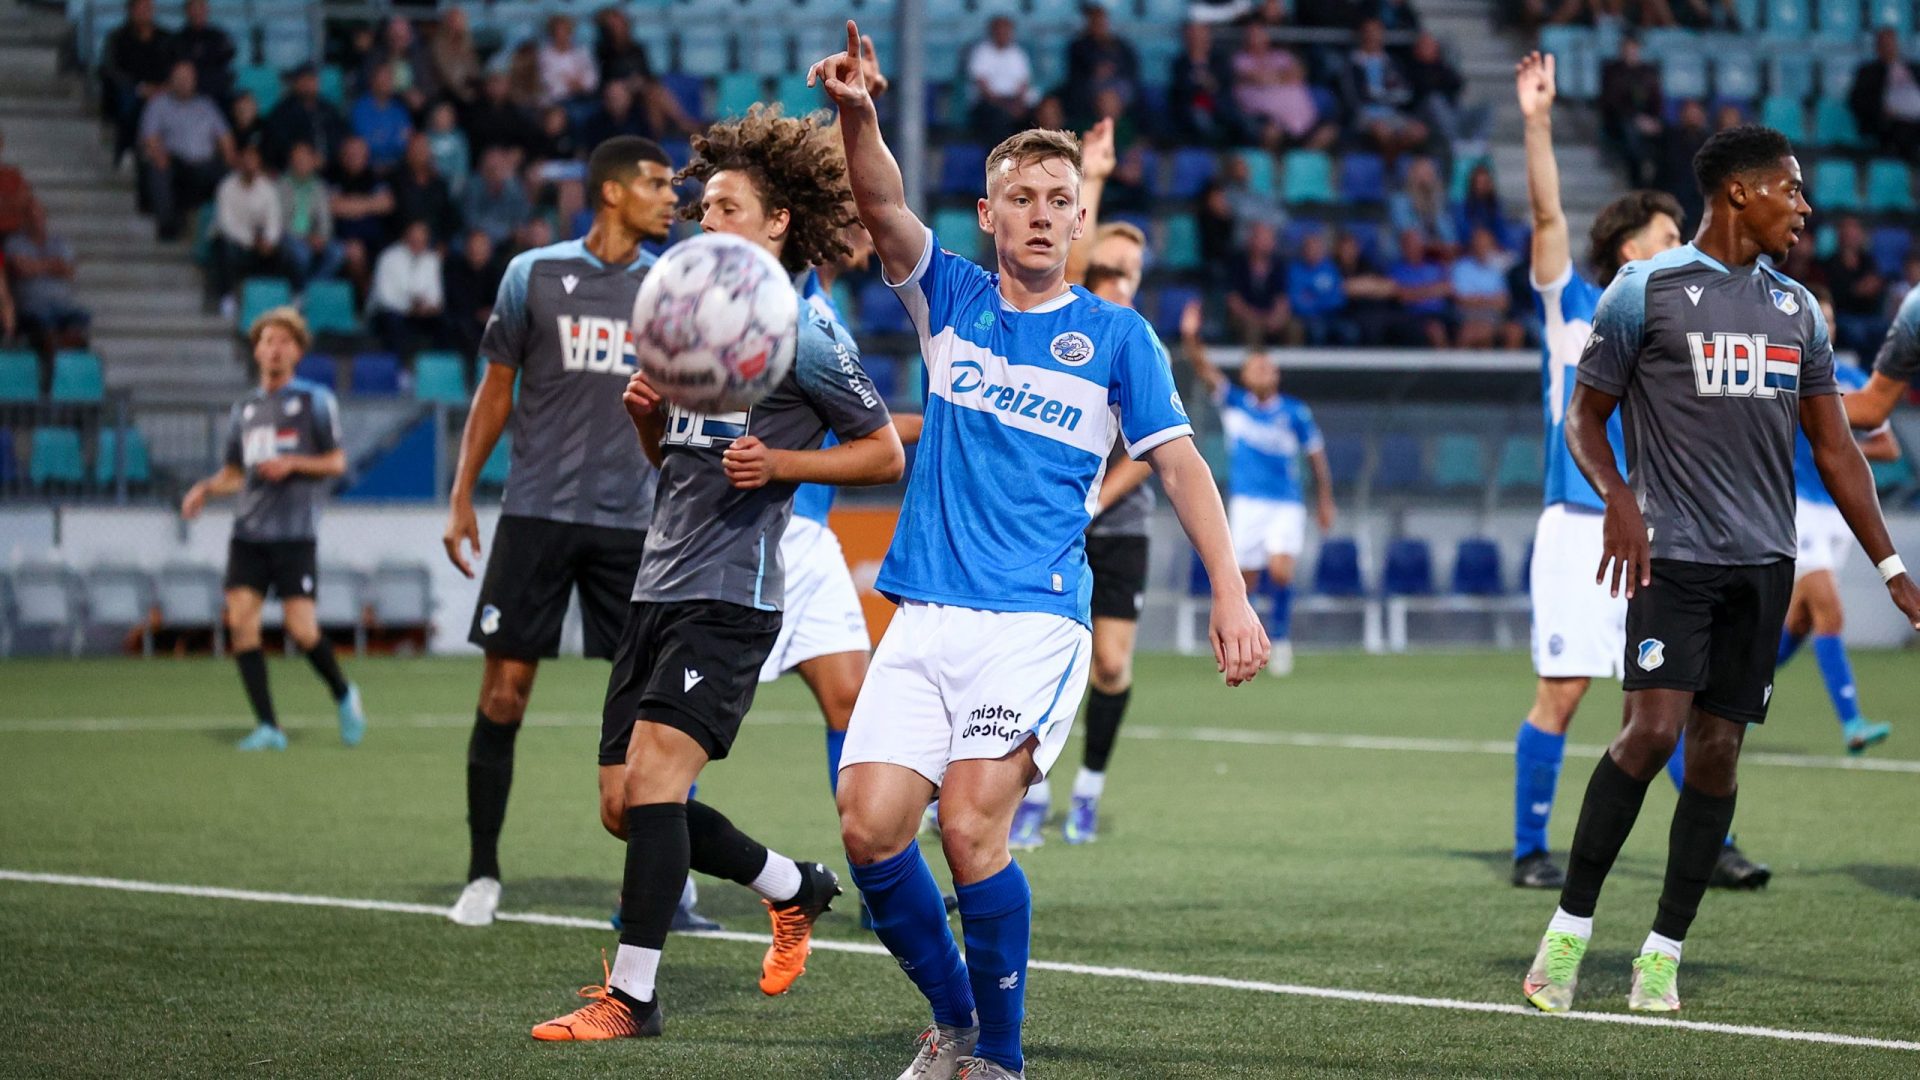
(877, 82)
(1191, 317)
(844, 75)
(1534, 84)
(1097, 159)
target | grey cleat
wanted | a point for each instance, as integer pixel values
(975, 1068)
(942, 1048)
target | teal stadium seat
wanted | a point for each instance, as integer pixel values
(763, 49)
(57, 458)
(1838, 62)
(1788, 19)
(1459, 462)
(1260, 171)
(1833, 124)
(139, 464)
(260, 294)
(736, 93)
(1521, 462)
(440, 377)
(333, 84)
(1826, 241)
(1463, 167)
(77, 378)
(959, 232)
(704, 51)
(1895, 13)
(1785, 115)
(1790, 75)
(329, 308)
(1683, 76)
(1306, 177)
(1180, 243)
(1840, 19)
(1736, 75)
(19, 376)
(796, 97)
(1889, 186)
(260, 80)
(1836, 185)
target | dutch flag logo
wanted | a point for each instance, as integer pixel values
(1783, 368)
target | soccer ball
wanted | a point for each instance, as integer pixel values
(715, 324)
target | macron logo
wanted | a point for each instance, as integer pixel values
(1693, 294)
(568, 283)
(690, 680)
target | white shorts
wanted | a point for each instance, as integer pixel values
(1579, 630)
(1825, 540)
(1263, 528)
(954, 684)
(822, 615)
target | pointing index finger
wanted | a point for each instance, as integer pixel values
(853, 40)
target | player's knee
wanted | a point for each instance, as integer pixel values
(1555, 702)
(1111, 673)
(975, 842)
(868, 838)
(504, 695)
(1828, 619)
(613, 814)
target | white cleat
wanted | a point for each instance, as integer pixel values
(1280, 660)
(941, 1048)
(477, 903)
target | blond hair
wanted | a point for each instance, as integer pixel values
(1031, 145)
(1126, 229)
(286, 318)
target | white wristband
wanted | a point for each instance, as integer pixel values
(1891, 567)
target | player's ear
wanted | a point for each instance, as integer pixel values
(1737, 193)
(985, 215)
(778, 223)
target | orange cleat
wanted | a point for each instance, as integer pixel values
(604, 1016)
(793, 920)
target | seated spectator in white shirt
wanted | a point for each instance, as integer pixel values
(246, 228)
(1002, 77)
(1481, 297)
(567, 68)
(407, 301)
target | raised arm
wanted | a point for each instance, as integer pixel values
(879, 193)
(1195, 350)
(486, 419)
(1096, 164)
(1534, 85)
(1240, 645)
(1844, 471)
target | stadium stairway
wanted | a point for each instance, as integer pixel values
(145, 296)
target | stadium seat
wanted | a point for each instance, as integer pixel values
(1363, 178)
(45, 601)
(118, 599)
(1890, 245)
(188, 598)
(1833, 124)
(1826, 241)
(288, 44)
(704, 51)
(884, 371)
(763, 48)
(1840, 19)
(493, 474)
(440, 377)
(401, 594)
(688, 90)
(881, 311)
(1785, 115)
(19, 376)
(963, 168)
(139, 463)
(57, 458)
(796, 97)
(1260, 171)
(1890, 476)
(1337, 571)
(1180, 244)
(1836, 185)
(9, 475)
(1409, 568)
(1460, 462)
(1522, 460)
(258, 294)
(333, 84)
(1192, 169)
(1790, 75)
(1736, 75)
(1346, 459)
(260, 80)
(342, 605)
(1173, 299)
(1889, 186)
(959, 232)
(1306, 177)
(1895, 13)
(1837, 66)
(1463, 167)
(1788, 19)
(1476, 568)
(1398, 467)
(329, 308)
(77, 378)
(375, 374)
(736, 93)
(319, 369)
(1683, 77)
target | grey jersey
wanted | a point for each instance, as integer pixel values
(561, 321)
(713, 541)
(1128, 517)
(1710, 366)
(299, 418)
(1899, 357)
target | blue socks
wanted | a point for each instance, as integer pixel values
(1536, 773)
(1831, 654)
(836, 740)
(996, 916)
(1677, 764)
(1789, 644)
(910, 919)
(1280, 623)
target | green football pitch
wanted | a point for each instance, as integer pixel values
(1301, 877)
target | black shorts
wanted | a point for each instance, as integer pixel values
(1119, 565)
(532, 570)
(287, 568)
(1714, 630)
(692, 665)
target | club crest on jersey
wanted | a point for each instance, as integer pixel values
(1742, 365)
(1653, 653)
(1785, 301)
(1178, 405)
(1072, 348)
(594, 343)
(293, 406)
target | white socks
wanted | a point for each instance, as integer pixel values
(633, 971)
(1656, 943)
(779, 879)
(1563, 923)
(1040, 793)
(1089, 784)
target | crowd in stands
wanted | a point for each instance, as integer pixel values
(38, 308)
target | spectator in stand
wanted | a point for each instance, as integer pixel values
(9, 319)
(617, 115)
(302, 117)
(1481, 210)
(1111, 104)
(570, 209)
(1630, 112)
(1678, 144)
(536, 233)
(136, 63)
(1201, 89)
(1001, 74)
(1437, 86)
(448, 144)
(1372, 297)
(452, 58)
(1909, 279)
(1480, 295)
(1885, 98)
(495, 202)
(406, 302)
(495, 121)
(1217, 231)
(619, 57)
(307, 247)
(1379, 95)
(556, 142)
(1729, 115)
(361, 204)
(1098, 59)
(1421, 206)
(1257, 307)
(420, 193)
(243, 120)
(382, 120)
(1270, 91)
(1050, 113)
(41, 265)
(1318, 294)
(1250, 207)
(208, 49)
(525, 88)
(567, 69)
(1126, 188)
(246, 229)
(187, 147)
(16, 196)
(1859, 290)
(469, 282)
(400, 52)
(1425, 291)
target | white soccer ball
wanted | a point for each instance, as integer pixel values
(715, 324)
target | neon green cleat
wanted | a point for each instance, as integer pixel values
(1656, 983)
(1556, 971)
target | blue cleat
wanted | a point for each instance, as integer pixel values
(353, 719)
(264, 737)
(1862, 733)
(1025, 834)
(1083, 820)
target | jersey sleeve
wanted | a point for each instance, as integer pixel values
(1619, 323)
(326, 423)
(505, 339)
(940, 285)
(1899, 357)
(1151, 412)
(1307, 430)
(1816, 368)
(828, 369)
(234, 455)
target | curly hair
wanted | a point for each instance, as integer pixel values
(1619, 220)
(796, 164)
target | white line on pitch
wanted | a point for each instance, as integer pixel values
(205, 892)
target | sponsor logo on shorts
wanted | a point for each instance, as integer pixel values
(306, 583)
(689, 680)
(1653, 653)
(1556, 645)
(1766, 695)
(489, 619)
(997, 721)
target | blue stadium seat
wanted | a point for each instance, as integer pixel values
(1346, 459)
(19, 376)
(9, 467)
(77, 377)
(1836, 185)
(963, 168)
(763, 50)
(1788, 19)
(880, 310)
(1890, 245)
(319, 369)
(1833, 124)
(1790, 75)
(1736, 75)
(1409, 568)
(688, 90)
(1363, 178)
(1577, 54)
(959, 232)
(1337, 572)
(1837, 66)
(1460, 462)
(493, 474)
(796, 97)
(1192, 169)
(287, 44)
(258, 294)
(57, 457)
(375, 374)
(1785, 115)
(139, 465)
(1889, 186)
(1840, 19)
(440, 377)
(1522, 461)
(1399, 467)
(736, 93)
(1180, 245)
(1476, 568)
(1683, 77)
(1173, 299)
(260, 80)
(1895, 13)
(1306, 177)
(1826, 241)
(704, 51)
(1260, 171)
(333, 84)
(329, 308)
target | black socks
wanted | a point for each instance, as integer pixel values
(657, 862)
(1104, 712)
(253, 675)
(1606, 817)
(325, 666)
(489, 778)
(1700, 824)
(717, 849)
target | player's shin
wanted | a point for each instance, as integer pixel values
(489, 779)
(253, 676)
(1837, 672)
(1537, 756)
(718, 849)
(1607, 815)
(1700, 824)
(836, 742)
(327, 667)
(996, 917)
(910, 919)
(656, 869)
